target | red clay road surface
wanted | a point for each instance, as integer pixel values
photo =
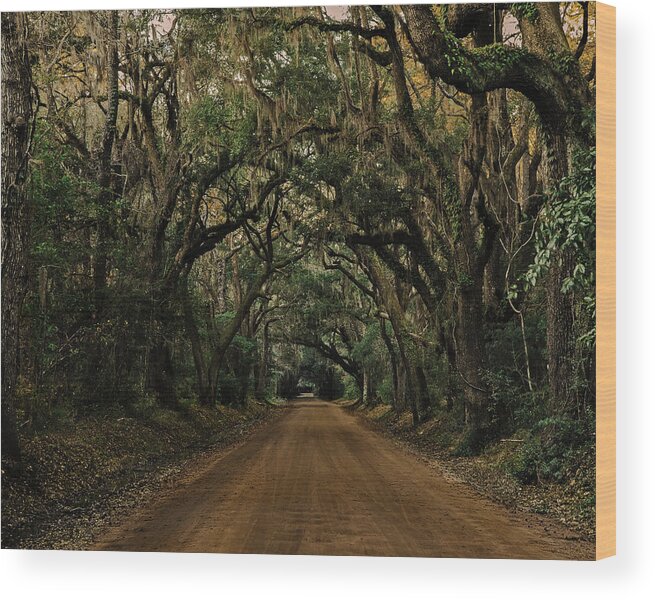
(317, 481)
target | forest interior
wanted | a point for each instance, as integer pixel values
(387, 210)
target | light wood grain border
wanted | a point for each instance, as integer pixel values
(606, 281)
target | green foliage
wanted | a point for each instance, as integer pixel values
(497, 57)
(249, 92)
(385, 389)
(246, 346)
(229, 389)
(366, 349)
(464, 280)
(287, 386)
(456, 55)
(329, 383)
(568, 224)
(525, 10)
(206, 118)
(473, 440)
(331, 167)
(514, 406)
(554, 450)
(60, 198)
(371, 195)
(490, 59)
(351, 391)
(564, 62)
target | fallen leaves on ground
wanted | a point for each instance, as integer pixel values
(86, 475)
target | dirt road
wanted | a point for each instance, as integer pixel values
(317, 481)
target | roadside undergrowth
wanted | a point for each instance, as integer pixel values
(86, 472)
(494, 472)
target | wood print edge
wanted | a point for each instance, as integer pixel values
(606, 282)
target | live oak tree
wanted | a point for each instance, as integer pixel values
(546, 71)
(225, 198)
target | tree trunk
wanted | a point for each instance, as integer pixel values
(161, 374)
(546, 37)
(393, 362)
(366, 387)
(100, 261)
(560, 338)
(262, 368)
(423, 401)
(196, 346)
(406, 349)
(494, 285)
(470, 259)
(17, 122)
(361, 397)
(560, 334)
(470, 363)
(448, 344)
(218, 355)
(402, 388)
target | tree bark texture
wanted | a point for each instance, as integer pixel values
(17, 123)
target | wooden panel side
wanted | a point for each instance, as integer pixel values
(606, 281)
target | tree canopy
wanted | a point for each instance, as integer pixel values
(395, 203)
